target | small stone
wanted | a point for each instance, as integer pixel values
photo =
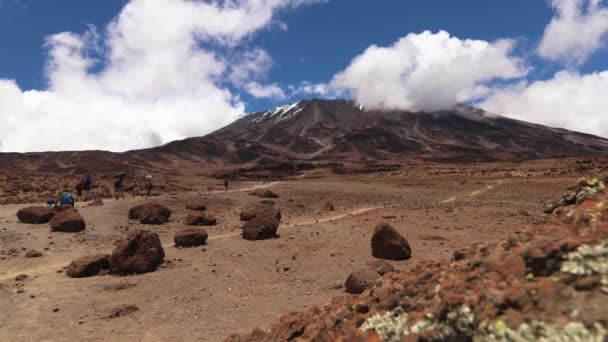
(21, 277)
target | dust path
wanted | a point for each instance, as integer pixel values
(326, 147)
(474, 193)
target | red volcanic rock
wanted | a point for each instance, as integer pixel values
(88, 266)
(262, 227)
(190, 237)
(141, 252)
(250, 213)
(387, 243)
(201, 220)
(35, 215)
(150, 213)
(197, 206)
(68, 221)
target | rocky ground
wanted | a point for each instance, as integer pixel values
(231, 285)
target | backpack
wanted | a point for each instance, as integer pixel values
(66, 198)
(88, 180)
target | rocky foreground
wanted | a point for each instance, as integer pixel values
(547, 283)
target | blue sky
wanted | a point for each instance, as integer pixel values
(311, 42)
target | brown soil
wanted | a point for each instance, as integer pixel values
(231, 285)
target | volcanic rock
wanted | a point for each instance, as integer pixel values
(151, 213)
(68, 221)
(190, 237)
(197, 206)
(88, 266)
(201, 220)
(262, 193)
(250, 213)
(32, 253)
(387, 243)
(141, 252)
(35, 215)
(262, 227)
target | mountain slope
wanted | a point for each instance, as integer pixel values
(337, 128)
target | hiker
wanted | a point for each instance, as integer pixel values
(148, 185)
(66, 198)
(118, 188)
(87, 182)
(225, 185)
(78, 188)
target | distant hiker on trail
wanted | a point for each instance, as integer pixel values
(148, 185)
(225, 185)
(87, 183)
(118, 184)
(66, 198)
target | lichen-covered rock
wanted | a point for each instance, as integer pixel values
(68, 221)
(88, 266)
(35, 215)
(361, 280)
(388, 244)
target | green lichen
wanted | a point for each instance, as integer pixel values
(587, 189)
(459, 325)
(587, 260)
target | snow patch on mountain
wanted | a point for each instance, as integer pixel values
(281, 113)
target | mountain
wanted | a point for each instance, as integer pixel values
(314, 131)
(331, 129)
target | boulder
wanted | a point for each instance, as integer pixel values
(262, 193)
(32, 253)
(251, 212)
(153, 213)
(35, 215)
(88, 266)
(68, 221)
(136, 212)
(197, 206)
(388, 244)
(361, 280)
(262, 227)
(141, 252)
(201, 220)
(190, 237)
(327, 206)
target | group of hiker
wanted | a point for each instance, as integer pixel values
(66, 198)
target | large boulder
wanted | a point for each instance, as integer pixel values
(88, 266)
(262, 227)
(190, 237)
(68, 221)
(388, 244)
(150, 213)
(197, 206)
(141, 252)
(35, 215)
(201, 220)
(251, 212)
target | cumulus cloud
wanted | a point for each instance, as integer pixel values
(270, 91)
(139, 82)
(579, 28)
(428, 72)
(568, 100)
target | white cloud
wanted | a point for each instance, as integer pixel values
(568, 100)
(578, 29)
(152, 82)
(271, 91)
(428, 71)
